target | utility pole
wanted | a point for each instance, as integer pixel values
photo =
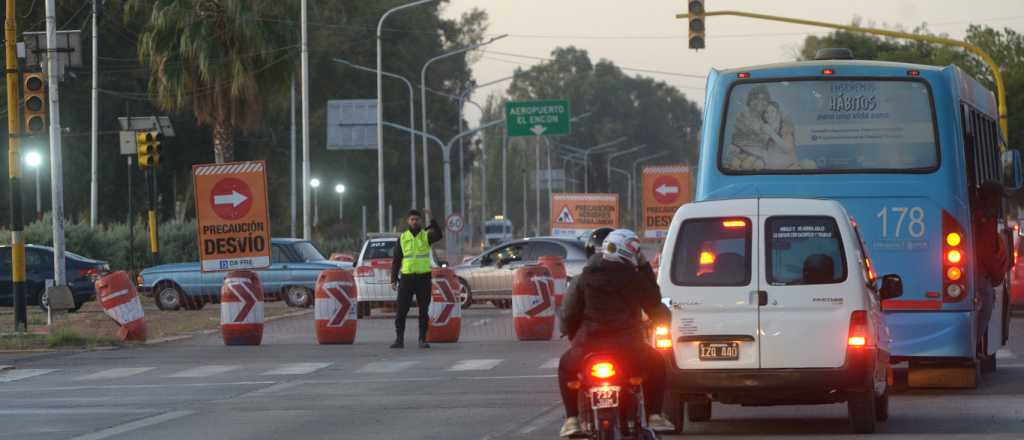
(291, 163)
(56, 165)
(94, 185)
(504, 172)
(536, 147)
(14, 166)
(307, 225)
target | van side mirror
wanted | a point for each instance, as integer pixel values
(892, 286)
(1013, 176)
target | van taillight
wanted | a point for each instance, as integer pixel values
(364, 271)
(858, 335)
(662, 338)
(953, 259)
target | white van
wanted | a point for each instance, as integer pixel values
(774, 302)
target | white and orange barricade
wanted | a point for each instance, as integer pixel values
(533, 303)
(556, 265)
(120, 302)
(335, 307)
(241, 308)
(445, 309)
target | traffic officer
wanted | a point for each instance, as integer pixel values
(410, 274)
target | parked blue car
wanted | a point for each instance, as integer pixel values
(295, 266)
(82, 274)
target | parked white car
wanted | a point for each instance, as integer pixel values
(774, 302)
(373, 272)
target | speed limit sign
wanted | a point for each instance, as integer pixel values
(455, 223)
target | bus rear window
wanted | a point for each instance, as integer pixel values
(713, 252)
(813, 126)
(804, 250)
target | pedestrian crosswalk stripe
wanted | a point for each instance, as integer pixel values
(116, 373)
(386, 366)
(13, 375)
(205, 370)
(297, 369)
(550, 364)
(475, 364)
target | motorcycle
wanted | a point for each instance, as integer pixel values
(611, 400)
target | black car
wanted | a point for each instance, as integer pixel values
(82, 274)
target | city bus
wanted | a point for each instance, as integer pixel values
(905, 149)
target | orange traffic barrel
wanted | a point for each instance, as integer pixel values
(556, 265)
(241, 308)
(533, 303)
(445, 309)
(335, 307)
(343, 257)
(120, 302)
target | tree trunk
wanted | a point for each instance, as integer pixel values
(223, 142)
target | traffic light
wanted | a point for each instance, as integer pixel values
(35, 103)
(148, 143)
(696, 18)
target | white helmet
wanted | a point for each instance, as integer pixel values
(623, 246)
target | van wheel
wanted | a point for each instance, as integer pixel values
(168, 297)
(882, 406)
(862, 412)
(698, 411)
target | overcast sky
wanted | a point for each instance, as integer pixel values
(645, 35)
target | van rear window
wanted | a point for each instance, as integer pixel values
(804, 250)
(713, 252)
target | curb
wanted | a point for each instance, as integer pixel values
(6, 367)
(167, 339)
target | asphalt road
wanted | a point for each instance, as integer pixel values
(488, 386)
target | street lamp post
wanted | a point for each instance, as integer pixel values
(315, 183)
(629, 189)
(380, 113)
(586, 160)
(340, 189)
(33, 159)
(621, 153)
(412, 119)
(423, 110)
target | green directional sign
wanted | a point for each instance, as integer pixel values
(537, 118)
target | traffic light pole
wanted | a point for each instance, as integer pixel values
(131, 219)
(154, 246)
(14, 166)
(997, 75)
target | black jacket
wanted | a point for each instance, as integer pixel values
(434, 235)
(605, 301)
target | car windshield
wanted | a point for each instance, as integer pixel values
(380, 249)
(812, 126)
(308, 252)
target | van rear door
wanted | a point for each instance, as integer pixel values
(810, 290)
(708, 276)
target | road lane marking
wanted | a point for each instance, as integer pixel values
(1005, 353)
(297, 369)
(205, 370)
(16, 374)
(551, 364)
(74, 411)
(129, 387)
(481, 322)
(132, 426)
(116, 373)
(386, 366)
(475, 364)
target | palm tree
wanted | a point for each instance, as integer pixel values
(224, 60)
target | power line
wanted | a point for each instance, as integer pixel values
(630, 69)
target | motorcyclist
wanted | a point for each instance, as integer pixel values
(602, 312)
(595, 240)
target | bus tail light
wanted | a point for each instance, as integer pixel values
(743, 75)
(953, 259)
(858, 336)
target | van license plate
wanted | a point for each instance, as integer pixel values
(719, 351)
(604, 397)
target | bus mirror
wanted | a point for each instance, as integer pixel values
(1013, 177)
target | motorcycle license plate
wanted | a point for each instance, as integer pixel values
(719, 351)
(604, 397)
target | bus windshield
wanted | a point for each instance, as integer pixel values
(813, 125)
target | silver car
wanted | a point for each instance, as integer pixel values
(489, 275)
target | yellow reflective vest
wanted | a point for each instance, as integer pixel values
(415, 252)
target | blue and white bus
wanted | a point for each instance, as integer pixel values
(905, 149)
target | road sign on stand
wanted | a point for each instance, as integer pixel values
(231, 216)
(455, 223)
(537, 118)
(665, 188)
(573, 213)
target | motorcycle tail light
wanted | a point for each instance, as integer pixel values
(636, 381)
(602, 370)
